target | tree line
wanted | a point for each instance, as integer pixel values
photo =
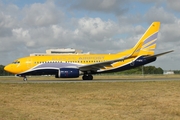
(143, 70)
(176, 71)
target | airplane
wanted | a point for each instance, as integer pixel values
(75, 65)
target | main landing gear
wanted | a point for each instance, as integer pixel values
(87, 77)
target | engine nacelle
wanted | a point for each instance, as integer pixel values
(68, 73)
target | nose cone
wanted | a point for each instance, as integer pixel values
(8, 68)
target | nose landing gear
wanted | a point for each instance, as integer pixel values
(24, 78)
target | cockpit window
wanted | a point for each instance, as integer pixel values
(16, 62)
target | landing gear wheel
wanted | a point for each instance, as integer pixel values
(84, 77)
(87, 77)
(25, 79)
(90, 77)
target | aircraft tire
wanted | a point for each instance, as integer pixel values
(25, 79)
(90, 77)
(87, 77)
(84, 77)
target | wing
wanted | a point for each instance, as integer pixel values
(97, 66)
(100, 65)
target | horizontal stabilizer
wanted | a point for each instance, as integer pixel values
(157, 55)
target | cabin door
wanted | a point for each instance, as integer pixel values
(29, 62)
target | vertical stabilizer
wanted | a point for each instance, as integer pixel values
(148, 40)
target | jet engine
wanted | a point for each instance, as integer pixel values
(68, 73)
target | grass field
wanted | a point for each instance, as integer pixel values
(91, 101)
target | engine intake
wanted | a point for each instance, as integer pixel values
(68, 73)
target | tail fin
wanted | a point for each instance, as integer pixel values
(148, 40)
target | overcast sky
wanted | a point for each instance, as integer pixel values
(97, 26)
